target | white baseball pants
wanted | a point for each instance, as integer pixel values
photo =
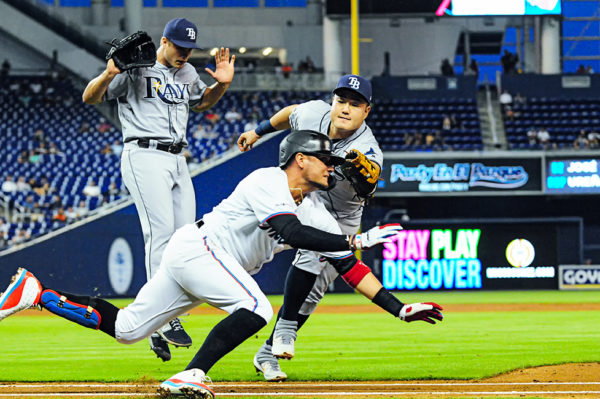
(194, 270)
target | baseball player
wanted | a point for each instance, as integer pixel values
(153, 105)
(344, 122)
(211, 261)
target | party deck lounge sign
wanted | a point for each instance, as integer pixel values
(461, 175)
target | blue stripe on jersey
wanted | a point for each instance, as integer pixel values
(231, 274)
(276, 214)
(344, 256)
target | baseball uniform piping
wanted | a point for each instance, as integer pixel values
(149, 265)
(276, 214)
(231, 274)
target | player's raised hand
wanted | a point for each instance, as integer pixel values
(376, 235)
(224, 67)
(247, 140)
(426, 311)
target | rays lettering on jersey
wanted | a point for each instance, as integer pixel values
(167, 93)
(272, 233)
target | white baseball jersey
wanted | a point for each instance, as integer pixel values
(341, 201)
(212, 264)
(239, 224)
(154, 102)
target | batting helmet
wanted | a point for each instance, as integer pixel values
(310, 143)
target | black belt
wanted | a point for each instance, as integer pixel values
(200, 223)
(172, 148)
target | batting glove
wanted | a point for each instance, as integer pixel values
(377, 235)
(426, 311)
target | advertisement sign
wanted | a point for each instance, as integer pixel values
(459, 176)
(470, 256)
(572, 176)
(448, 7)
(579, 277)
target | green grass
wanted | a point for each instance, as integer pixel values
(455, 297)
(360, 346)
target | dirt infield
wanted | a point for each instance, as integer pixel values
(573, 381)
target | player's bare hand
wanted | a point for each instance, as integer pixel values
(224, 67)
(111, 68)
(247, 140)
(426, 311)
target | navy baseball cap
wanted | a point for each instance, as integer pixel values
(181, 32)
(357, 84)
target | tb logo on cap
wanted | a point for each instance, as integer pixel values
(354, 83)
(191, 33)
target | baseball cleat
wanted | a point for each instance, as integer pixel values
(189, 383)
(283, 346)
(22, 293)
(268, 365)
(173, 333)
(160, 347)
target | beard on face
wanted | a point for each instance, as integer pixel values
(319, 186)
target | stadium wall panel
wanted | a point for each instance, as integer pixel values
(78, 260)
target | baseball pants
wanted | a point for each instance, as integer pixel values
(194, 270)
(309, 261)
(162, 190)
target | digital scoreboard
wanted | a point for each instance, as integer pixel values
(470, 256)
(572, 176)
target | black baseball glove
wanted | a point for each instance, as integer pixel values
(361, 172)
(133, 51)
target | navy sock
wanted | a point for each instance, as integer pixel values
(298, 284)
(226, 336)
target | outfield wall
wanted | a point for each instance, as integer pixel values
(105, 256)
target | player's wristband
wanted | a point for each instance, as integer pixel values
(264, 127)
(385, 300)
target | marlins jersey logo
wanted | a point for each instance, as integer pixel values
(167, 93)
(272, 233)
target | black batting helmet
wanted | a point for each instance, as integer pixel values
(307, 142)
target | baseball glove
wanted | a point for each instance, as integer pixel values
(133, 51)
(361, 172)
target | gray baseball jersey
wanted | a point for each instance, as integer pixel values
(154, 103)
(342, 201)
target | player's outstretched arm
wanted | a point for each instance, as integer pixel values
(358, 276)
(279, 121)
(94, 92)
(301, 236)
